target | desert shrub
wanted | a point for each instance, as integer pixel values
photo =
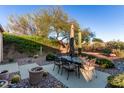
(15, 79)
(97, 46)
(94, 47)
(97, 40)
(50, 57)
(118, 52)
(106, 51)
(87, 47)
(104, 63)
(116, 81)
(115, 45)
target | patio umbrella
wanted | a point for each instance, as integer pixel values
(72, 41)
(79, 42)
(1, 43)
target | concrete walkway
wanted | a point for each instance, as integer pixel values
(13, 67)
(24, 70)
(74, 82)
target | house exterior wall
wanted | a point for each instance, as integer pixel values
(1, 47)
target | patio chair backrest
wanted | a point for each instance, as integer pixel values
(92, 62)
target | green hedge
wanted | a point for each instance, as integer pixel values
(28, 43)
(105, 63)
(116, 81)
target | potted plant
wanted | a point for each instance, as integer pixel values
(35, 75)
(4, 75)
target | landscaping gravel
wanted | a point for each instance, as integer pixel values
(47, 82)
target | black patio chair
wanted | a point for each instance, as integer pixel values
(57, 62)
(69, 67)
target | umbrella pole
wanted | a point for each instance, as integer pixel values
(72, 41)
(79, 42)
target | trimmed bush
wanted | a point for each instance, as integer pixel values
(50, 57)
(104, 63)
(106, 51)
(116, 81)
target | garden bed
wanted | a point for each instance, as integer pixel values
(47, 82)
(102, 62)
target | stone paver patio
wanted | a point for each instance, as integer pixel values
(74, 82)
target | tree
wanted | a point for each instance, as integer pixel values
(61, 22)
(87, 34)
(45, 21)
(21, 24)
(97, 40)
(42, 20)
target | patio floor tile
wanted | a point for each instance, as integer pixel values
(75, 82)
(13, 67)
(24, 70)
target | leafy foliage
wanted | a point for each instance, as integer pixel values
(115, 45)
(42, 22)
(15, 79)
(106, 51)
(118, 52)
(97, 46)
(116, 81)
(87, 34)
(104, 63)
(94, 47)
(50, 57)
(97, 40)
(29, 44)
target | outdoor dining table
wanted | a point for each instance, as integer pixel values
(74, 60)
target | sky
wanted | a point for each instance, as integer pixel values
(106, 21)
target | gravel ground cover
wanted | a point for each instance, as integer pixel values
(47, 82)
